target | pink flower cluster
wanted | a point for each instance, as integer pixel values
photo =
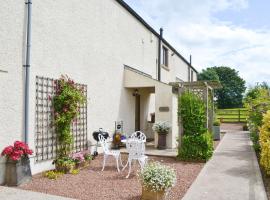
(17, 151)
(78, 157)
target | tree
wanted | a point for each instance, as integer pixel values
(208, 74)
(233, 86)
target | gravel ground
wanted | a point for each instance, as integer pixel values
(91, 183)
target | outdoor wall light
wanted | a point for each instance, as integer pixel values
(135, 93)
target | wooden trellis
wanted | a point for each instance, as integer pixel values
(45, 135)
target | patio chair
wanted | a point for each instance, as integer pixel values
(108, 152)
(138, 135)
(136, 150)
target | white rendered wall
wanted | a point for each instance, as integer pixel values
(89, 40)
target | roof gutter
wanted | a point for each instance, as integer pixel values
(27, 70)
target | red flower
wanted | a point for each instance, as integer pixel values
(20, 145)
(7, 151)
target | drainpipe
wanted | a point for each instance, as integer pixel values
(159, 53)
(190, 63)
(27, 69)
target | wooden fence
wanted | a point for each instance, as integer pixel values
(232, 115)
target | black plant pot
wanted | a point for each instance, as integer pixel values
(18, 172)
(162, 140)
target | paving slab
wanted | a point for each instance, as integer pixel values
(233, 172)
(8, 193)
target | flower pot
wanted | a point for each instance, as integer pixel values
(151, 195)
(18, 172)
(162, 140)
(216, 132)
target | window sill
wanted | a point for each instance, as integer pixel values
(165, 67)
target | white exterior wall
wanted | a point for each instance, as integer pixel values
(89, 40)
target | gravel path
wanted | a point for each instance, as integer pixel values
(91, 183)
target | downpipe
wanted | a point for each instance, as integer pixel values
(27, 70)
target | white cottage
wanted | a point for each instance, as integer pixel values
(104, 44)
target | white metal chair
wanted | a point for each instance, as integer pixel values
(136, 150)
(108, 152)
(138, 135)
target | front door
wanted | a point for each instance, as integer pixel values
(137, 112)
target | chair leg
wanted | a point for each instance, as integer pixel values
(125, 166)
(104, 161)
(129, 170)
(117, 165)
(121, 163)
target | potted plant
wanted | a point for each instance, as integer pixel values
(18, 169)
(216, 130)
(156, 180)
(162, 129)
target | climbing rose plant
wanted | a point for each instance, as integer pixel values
(66, 104)
(17, 151)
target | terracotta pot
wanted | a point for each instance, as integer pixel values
(17, 172)
(150, 195)
(162, 140)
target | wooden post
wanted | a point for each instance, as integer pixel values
(239, 114)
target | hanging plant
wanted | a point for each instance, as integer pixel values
(66, 104)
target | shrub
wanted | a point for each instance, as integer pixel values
(161, 127)
(264, 140)
(66, 103)
(216, 123)
(52, 174)
(196, 143)
(199, 147)
(192, 111)
(157, 177)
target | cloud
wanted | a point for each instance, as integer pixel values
(192, 28)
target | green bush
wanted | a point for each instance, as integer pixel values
(196, 147)
(192, 111)
(265, 143)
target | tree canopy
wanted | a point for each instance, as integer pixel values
(233, 86)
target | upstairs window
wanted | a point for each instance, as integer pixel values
(165, 57)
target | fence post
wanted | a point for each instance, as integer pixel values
(239, 114)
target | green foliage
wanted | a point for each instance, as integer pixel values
(66, 104)
(52, 174)
(257, 101)
(265, 143)
(196, 143)
(196, 147)
(208, 74)
(88, 157)
(216, 123)
(64, 164)
(192, 111)
(233, 86)
(75, 171)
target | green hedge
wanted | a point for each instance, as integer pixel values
(196, 143)
(198, 147)
(192, 111)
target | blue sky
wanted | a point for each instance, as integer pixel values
(234, 33)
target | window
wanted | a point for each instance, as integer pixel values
(165, 57)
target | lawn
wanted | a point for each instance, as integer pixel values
(91, 183)
(232, 115)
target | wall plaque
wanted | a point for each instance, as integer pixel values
(164, 109)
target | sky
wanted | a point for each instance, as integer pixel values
(233, 33)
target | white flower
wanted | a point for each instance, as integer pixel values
(161, 127)
(157, 177)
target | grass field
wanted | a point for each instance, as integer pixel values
(232, 115)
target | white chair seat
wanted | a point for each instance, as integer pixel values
(108, 152)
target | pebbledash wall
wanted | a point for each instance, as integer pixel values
(90, 40)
